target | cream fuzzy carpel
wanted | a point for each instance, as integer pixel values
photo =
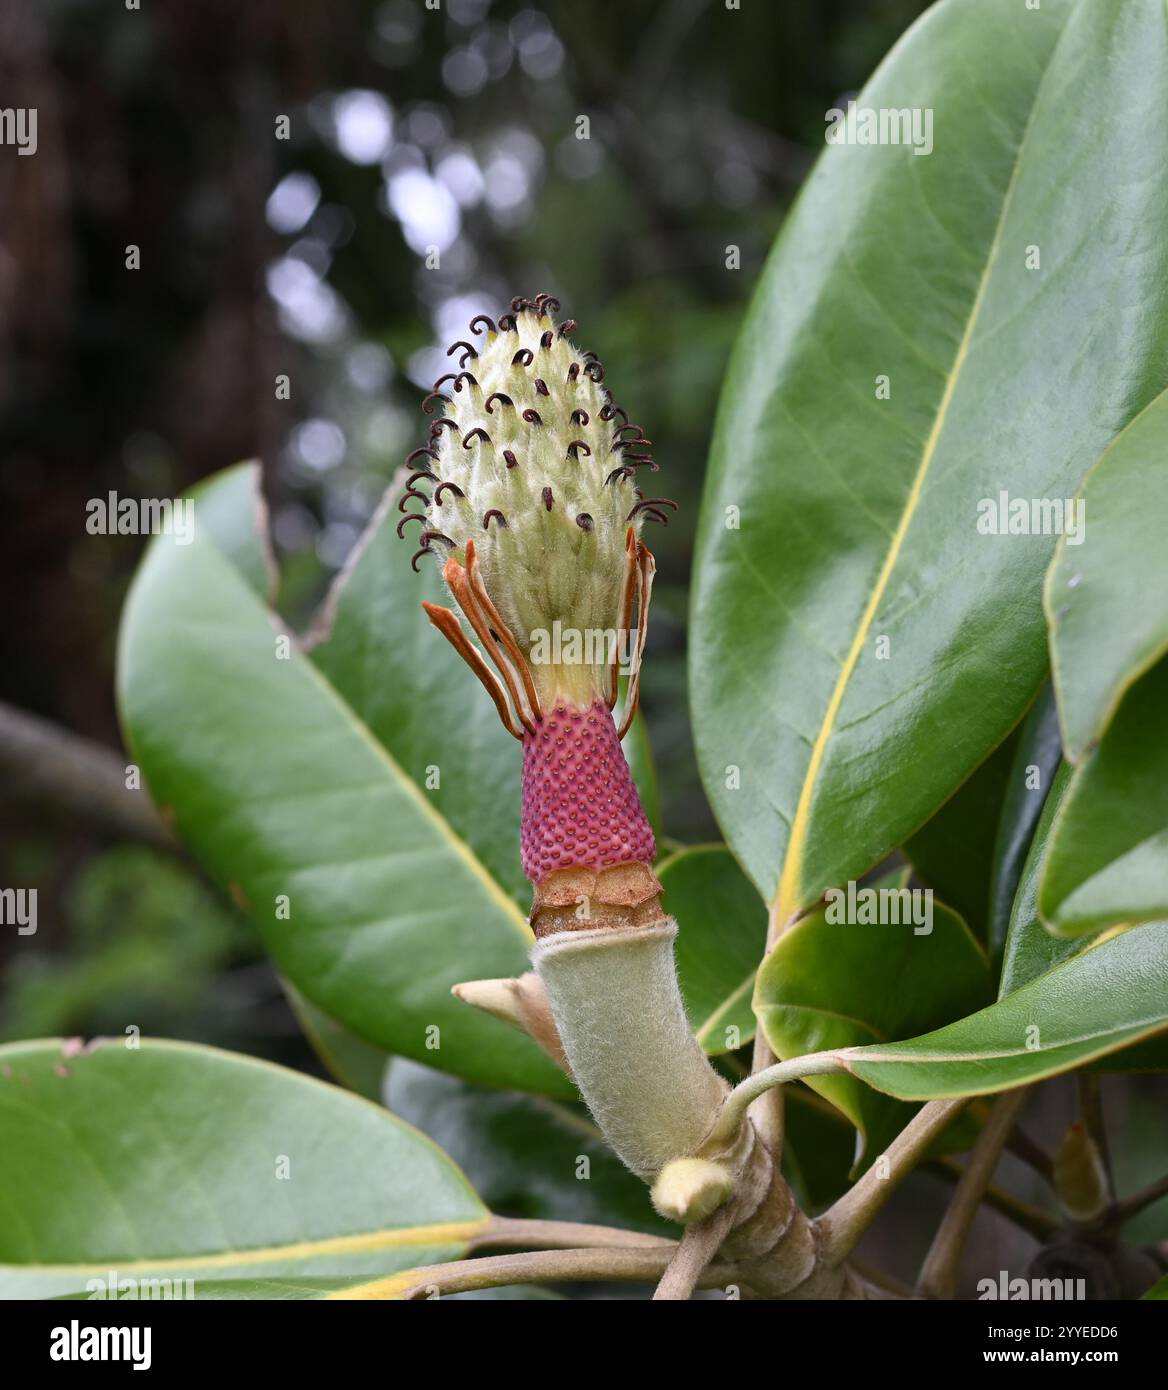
(618, 1009)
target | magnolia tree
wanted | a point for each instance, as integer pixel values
(928, 679)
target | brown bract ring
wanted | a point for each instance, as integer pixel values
(581, 899)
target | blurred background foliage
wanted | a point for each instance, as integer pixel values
(411, 130)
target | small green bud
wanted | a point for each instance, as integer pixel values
(1080, 1178)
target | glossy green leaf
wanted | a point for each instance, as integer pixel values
(830, 985)
(526, 1156)
(1031, 950)
(368, 898)
(1103, 999)
(722, 926)
(953, 852)
(172, 1161)
(1107, 596)
(1036, 764)
(1108, 855)
(834, 518)
(1159, 1289)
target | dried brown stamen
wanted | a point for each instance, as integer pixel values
(447, 624)
(504, 632)
(646, 569)
(626, 616)
(482, 619)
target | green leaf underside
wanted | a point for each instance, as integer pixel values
(857, 517)
(830, 985)
(722, 924)
(1107, 597)
(1107, 860)
(1101, 1000)
(284, 793)
(164, 1161)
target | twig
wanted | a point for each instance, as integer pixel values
(50, 764)
(1040, 1224)
(842, 1225)
(938, 1276)
(563, 1235)
(1030, 1151)
(881, 1279)
(698, 1246)
(534, 1266)
(1131, 1206)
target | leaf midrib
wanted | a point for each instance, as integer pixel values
(788, 897)
(439, 1233)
